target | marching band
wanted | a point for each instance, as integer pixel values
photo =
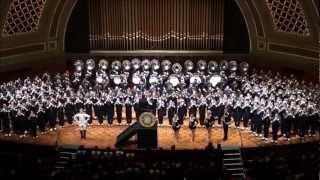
(204, 94)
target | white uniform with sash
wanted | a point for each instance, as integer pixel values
(82, 119)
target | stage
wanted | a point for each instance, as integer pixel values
(104, 136)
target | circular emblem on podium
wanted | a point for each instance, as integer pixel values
(147, 119)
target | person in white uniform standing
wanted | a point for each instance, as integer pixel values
(82, 119)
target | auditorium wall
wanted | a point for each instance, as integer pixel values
(272, 36)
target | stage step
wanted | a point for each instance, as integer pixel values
(127, 134)
(64, 156)
(232, 163)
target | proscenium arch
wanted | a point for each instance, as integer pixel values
(250, 23)
(242, 5)
(65, 24)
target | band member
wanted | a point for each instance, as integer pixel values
(259, 121)
(20, 123)
(193, 107)
(171, 110)
(254, 117)
(13, 117)
(213, 106)
(60, 111)
(202, 109)
(78, 103)
(297, 116)
(237, 113)
(82, 120)
(176, 126)
(109, 106)
(98, 110)
(313, 119)
(52, 115)
(220, 110)
(246, 113)
(193, 125)
(289, 118)
(2, 114)
(161, 108)
(226, 120)
(70, 109)
(118, 105)
(88, 108)
(182, 109)
(41, 114)
(136, 105)
(266, 123)
(302, 121)
(32, 121)
(154, 101)
(318, 121)
(128, 104)
(209, 123)
(5, 120)
(275, 124)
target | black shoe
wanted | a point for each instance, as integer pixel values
(81, 134)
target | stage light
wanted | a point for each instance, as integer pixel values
(103, 64)
(189, 65)
(166, 65)
(90, 64)
(145, 65)
(155, 64)
(176, 68)
(223, 65)
(136, 63)
(244, 66)
(116, 65)
(126, 65)
(213, 66)
(214, 80)
(233, 66)
(202, 65)
(78, 64)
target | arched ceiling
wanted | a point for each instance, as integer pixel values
(277, 26)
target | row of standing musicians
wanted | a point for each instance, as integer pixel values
(26, 119)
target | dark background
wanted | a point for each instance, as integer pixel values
(236, 38)
(77, 34)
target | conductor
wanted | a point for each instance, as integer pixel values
(82, 119)
(226, 120)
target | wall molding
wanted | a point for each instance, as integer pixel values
(293, 50)
(27, 48)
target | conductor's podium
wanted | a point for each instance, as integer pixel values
(145, 129)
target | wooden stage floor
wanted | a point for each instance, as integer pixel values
(104, 136)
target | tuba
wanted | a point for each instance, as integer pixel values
(189, 65)
(202, 65)
(103, 64)
(176, 68)
(166, 65)
(126, 65)
(116, 65)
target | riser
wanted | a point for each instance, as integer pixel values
(232, 162)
